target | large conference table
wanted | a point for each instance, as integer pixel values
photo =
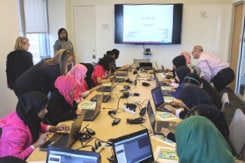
(102, 125)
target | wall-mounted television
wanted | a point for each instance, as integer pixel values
(148, 23)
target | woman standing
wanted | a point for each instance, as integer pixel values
(18, 61)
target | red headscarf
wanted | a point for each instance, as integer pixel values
(68, 87)
(78, 72)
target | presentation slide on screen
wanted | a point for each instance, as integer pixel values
(146, 23)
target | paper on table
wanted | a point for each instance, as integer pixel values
(164, 116)
(166, 155)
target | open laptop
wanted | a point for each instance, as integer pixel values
(65, 155)
(106, 97)
(158, 99)
(122, 73)
(65, 140)
(145, 65)
(157, 125)
(134, 147)
(92, 113)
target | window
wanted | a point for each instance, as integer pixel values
(33, 17)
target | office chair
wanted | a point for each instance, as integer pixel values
(237, 132)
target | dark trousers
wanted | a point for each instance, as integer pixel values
(223, 78)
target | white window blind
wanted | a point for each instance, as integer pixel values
(35, 13)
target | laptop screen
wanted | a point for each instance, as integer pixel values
(133, 148)
(157, 96)
(150, 114)
(65, 155)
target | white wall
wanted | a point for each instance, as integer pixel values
(9, 32)
(207, 23)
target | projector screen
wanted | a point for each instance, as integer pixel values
(148, 23)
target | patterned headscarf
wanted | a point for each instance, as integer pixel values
(68, 87)
(199, 141)
(78, 72)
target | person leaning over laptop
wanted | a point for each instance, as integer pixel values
(213, 69)
(103, 70)
(62, 104)
(23, 130)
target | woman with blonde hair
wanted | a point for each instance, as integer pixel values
(18, 61)
(41, 77)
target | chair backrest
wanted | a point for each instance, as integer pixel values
(237, 131)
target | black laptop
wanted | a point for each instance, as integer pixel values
(94, 111)
(106, 97)
(122, 73)
(146, 65)
(65, 155)
(158, 99)
(135, 147)
(105, 88)
(64, 140)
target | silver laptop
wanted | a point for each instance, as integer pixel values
(91, 114)
(158, 125)
(158, 99)
(64, 155)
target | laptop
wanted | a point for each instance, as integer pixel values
(65, 140)
(158, 99)
(157, 125)
(135, 147)
(122, 73)
(119, 80)
(94, 111)
(65, 155)
(158, 70)
(145, 65)
(106, 97)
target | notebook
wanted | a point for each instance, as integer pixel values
(106, 97)
(92, 112)
(157, 125)
(134, 147)
(64, 140)
(65, 155)
(158, 99)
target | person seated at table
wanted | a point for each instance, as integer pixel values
(62, 104)
(11, 159)
(199, 141)
(193, 68)
(41, 76)
(114, 53)
(194, 79)
(189, 97)
(181, 72)
(102, 70)
(23, 130)
(178, 61)
(209, 111)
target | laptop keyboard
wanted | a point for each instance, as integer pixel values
(61, 139)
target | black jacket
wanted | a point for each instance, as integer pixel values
(18, 61)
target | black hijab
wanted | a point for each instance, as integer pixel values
(28, 107)
(181, 72)
(179, 61)
(192, 95)
(88, 79)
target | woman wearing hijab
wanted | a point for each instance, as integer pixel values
(62, 104)
(23, 130)
(199, 141)
(194, 79)
(181, 72)
(190, 96)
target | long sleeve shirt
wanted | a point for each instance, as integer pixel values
(210, 65)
